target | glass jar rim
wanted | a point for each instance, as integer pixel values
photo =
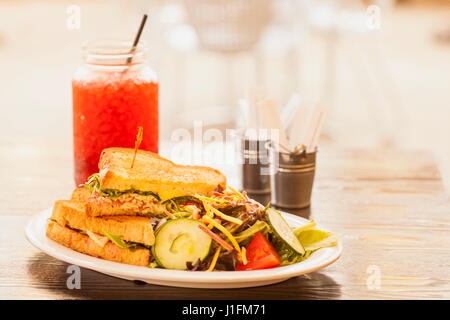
(113, 52)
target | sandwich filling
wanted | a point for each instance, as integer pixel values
(106, 237)
(145, 203)
(98, 239)
(137, 202)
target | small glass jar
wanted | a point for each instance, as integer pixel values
(114, 92)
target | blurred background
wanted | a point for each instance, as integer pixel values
(381, 68)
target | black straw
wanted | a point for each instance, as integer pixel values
(138, 36)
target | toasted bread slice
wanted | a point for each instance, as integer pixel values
(84, 244)
(154, 173)
(72, 214)
(80, 194)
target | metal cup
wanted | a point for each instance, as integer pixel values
(292, 177)
(255, 166)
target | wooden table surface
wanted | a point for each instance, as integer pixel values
(389, 208)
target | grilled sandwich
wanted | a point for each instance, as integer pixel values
(84, 244)
(111, 216)
(122, 239)
(148, 187)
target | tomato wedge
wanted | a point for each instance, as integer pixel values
(260, 255)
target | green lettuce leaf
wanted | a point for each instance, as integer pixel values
(183, 199)
(311, 240)
(251, 231)
(310, 225)
(113, 194)
(176, 207)
(117, 240)
(315, 239)
(93, 182)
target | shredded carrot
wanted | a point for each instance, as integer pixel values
(244, 256)
(216, 238)
(237, 193)
(214, 259)
(224, 231)
(137, 143)
(171, 216)
(208, 213)
(224, 216)
(207, 209)
(210, 199)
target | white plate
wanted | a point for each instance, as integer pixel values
(35, 232)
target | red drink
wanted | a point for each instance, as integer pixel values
(110, 101)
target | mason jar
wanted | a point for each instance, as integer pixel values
(114, 92)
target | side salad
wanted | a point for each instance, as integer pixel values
(230, 232)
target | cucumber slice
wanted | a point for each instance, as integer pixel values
(282, 229)
(178, 241)
(182, 244)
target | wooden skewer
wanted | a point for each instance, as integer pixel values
(137, 143)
